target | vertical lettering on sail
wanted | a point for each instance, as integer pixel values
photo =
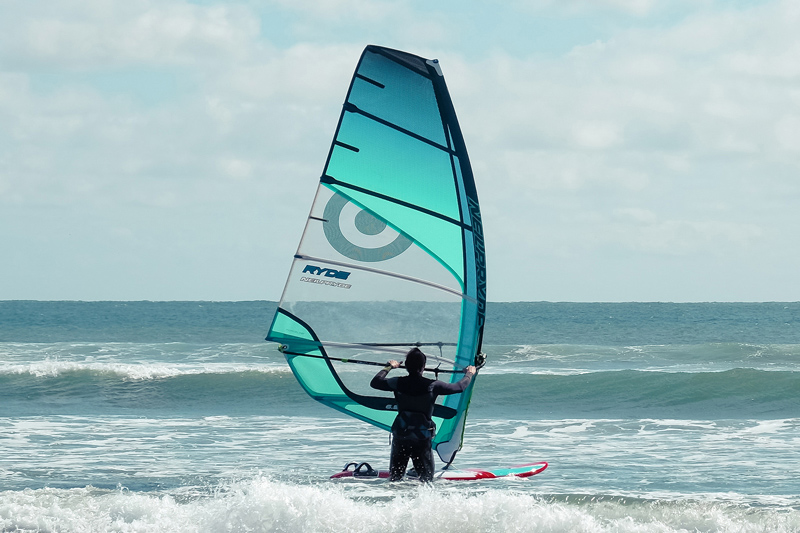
(480, 258)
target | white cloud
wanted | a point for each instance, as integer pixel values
(671, 92)
(235, 168)
(390, 23)
(528, 172)
(596, 134)
(372, 11)
(641, 229)
(293, 75)
(787, 133)
(636, 214)
(673, 140)
(94, 33)
(631, 7)
(692, 122)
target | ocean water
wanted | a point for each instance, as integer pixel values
(177, 416)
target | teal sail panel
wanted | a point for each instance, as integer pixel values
(392, 255)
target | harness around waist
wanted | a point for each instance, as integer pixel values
(409, 425)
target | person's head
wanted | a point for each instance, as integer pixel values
(415, 361)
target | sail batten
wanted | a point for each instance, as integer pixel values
(334, 181)
(353, 109)
(387, 273)
(392, 249)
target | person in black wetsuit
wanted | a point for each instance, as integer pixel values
(413, 428)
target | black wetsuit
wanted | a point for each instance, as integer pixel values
(413, 428)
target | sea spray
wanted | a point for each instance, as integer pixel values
(262, 504)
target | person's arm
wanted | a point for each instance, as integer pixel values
(379, 381)
(440, 387)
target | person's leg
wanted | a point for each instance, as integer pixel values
(398, 461)
(422, 457)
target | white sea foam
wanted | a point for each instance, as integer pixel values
(567, 359)
(604, 475)
(767, 426)
(264, 504)
(573, 428)
(136, 371)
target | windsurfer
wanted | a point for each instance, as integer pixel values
(413, 428)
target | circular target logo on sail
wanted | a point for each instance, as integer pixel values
(359, 235)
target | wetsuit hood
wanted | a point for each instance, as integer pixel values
(415, 361)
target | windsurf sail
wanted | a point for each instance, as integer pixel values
(392, 255)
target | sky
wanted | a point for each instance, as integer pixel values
(623, 150)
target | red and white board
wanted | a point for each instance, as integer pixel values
(365, 471)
